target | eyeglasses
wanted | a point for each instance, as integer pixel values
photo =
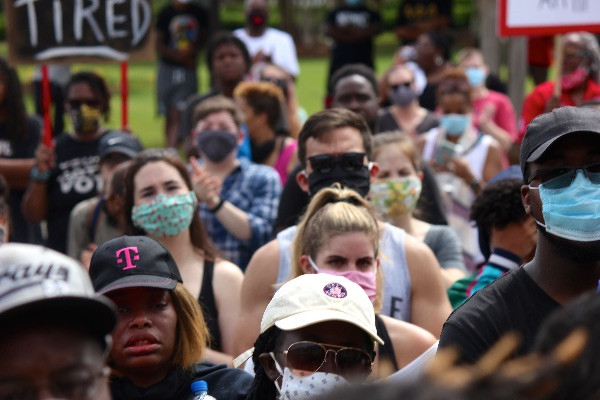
(75, 385)
(397, 85)
(562, 177)
(306, 358)
(324, 163)
(76, 104)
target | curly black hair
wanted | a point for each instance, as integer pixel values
(354, 69)
(262, 386)
(498, 205)
(222, 38)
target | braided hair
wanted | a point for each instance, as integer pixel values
(262, 386)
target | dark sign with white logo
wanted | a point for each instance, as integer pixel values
(41, 31)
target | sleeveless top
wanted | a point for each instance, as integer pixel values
(396, 278)
(209, 306)
(281, 164)
(458, 196)
(386, 350)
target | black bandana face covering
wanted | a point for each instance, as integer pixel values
(216, 145)
(358, 179)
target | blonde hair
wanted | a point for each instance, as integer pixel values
(331, 212)
(192, 333)
(404, 143)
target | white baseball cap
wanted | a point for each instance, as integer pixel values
(313, 298)
(37, 280)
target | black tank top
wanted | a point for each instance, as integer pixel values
(209, 306)
(386, 351)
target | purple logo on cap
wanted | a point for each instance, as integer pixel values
(128, 257)
(335, 290)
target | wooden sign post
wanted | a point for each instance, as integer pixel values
(78, 31)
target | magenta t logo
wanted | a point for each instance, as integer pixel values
(128, 259)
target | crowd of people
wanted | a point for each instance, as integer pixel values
(384, 243)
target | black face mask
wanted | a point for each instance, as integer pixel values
(257, 19)
(216, 145)
(261, 152)
(359, 180)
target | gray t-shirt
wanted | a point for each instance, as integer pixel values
(444, 243)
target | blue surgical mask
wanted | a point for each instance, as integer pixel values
(475, 76)
(454, 124)
(573, 212)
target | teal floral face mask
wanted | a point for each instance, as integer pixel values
(165, 215)
(395, 197)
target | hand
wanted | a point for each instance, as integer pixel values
(552, 103)
(45, 158)
(86, 255)
(261, 57)
(460, 167)
(486, 118)
(206, 187)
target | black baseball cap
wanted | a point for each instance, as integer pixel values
(119, 142)
(37, 281)
(133, 261)
(547, 128)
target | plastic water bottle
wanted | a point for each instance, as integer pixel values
(200, 391)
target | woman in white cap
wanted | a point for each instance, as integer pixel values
(339, 235)
(160, 340)
(317, 333)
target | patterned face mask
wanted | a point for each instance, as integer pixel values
(165, 215)
(397, 196)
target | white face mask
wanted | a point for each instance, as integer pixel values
(294, 387)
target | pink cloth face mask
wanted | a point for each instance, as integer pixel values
(366, 280)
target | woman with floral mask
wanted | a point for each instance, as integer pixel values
(395, 195)
(66, 172)
(161, 203)
(579, 81)
(463, 157)
(339, 235)
(404, 113)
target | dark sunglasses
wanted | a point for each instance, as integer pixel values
(76, 104)
(306, 358)
(562, 177)
(324, 163)
(397, 85)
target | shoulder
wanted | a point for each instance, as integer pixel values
(442, 233)
(240, 33)
(276, 33)
(223, 382)
(84, 207)
(226, 270)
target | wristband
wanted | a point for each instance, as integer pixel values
(218, 206)
(38, 176)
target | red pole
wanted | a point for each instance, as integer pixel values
(46, 103)
(124, 96)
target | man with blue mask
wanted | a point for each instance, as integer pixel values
(560, 161)
(238, 198)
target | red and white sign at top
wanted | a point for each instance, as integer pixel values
(546, 17)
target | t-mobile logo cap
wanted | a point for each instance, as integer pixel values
(133, 261)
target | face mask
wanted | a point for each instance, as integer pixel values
(475, 76)
(359, 180)
(366, 280)
(299, 388)
(573, 212)
(257, 18)
(575, 78)
(85, 119)
(165, 215)
(216, 145)
(397, 196)
(454, 124)
(261, 152)
(403, 95)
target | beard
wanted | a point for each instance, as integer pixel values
(578, 252)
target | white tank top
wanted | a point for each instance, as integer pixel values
(396, 278)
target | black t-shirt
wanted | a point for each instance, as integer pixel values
(358, 52)
(75, 178)
(181, 28)
(413, 11)
(21, 231)
(514, 302)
